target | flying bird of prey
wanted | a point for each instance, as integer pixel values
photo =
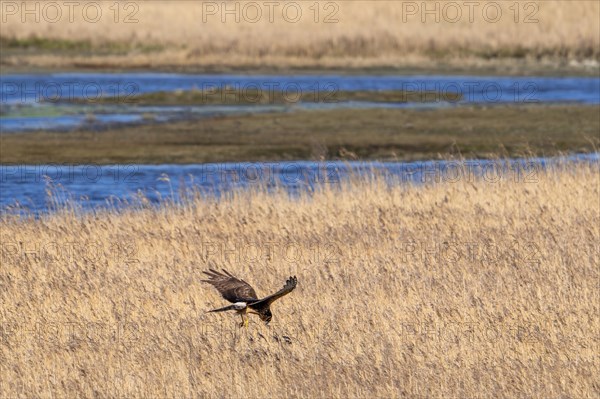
(243, 296)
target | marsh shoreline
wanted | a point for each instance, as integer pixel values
(338, 134)
(510, 68)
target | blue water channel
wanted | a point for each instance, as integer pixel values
(30, 102)
(25, 188)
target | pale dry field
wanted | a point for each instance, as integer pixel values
(331, 34)
(463, 289)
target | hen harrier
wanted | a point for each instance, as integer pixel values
(243, 296)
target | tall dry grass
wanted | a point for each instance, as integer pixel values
(464, 289)
(360, 33)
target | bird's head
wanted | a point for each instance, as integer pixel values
(266, 316)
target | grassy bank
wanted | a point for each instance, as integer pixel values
(332, 134)
(471, 289)
(214, 94)
(508, 37)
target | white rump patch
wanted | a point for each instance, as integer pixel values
(239, 305)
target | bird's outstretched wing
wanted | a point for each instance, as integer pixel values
(230, 287)
(289, 286)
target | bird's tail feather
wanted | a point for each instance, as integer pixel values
(223, 309)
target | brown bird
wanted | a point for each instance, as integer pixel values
(243, 296)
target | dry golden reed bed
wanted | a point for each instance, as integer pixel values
(345, 34)
(465, 289)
